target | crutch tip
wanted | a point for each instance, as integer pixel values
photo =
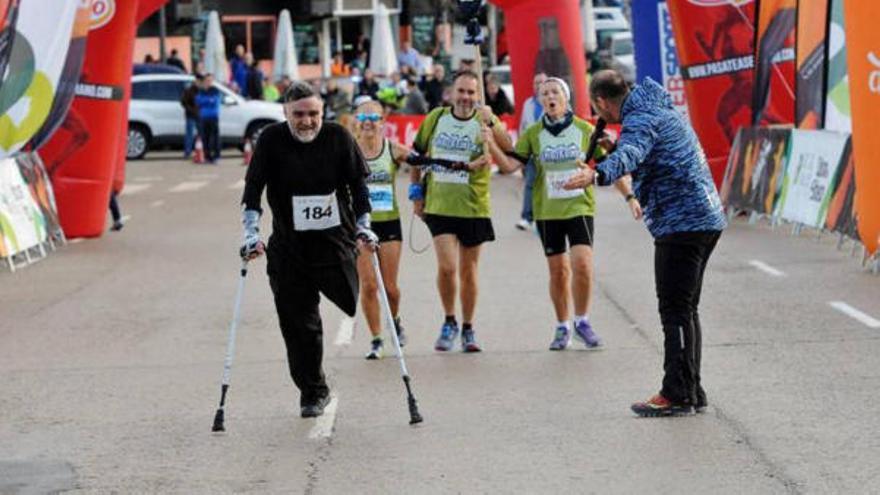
(218, 422)
(415, 418)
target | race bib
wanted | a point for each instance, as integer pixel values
(381, 197)
(315, 212)
(554, 181)
(448, 176)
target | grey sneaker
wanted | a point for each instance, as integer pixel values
(401, 337)
(469, 341)
(448, 333)
(376, 347)
(583, 332)
(561, 339)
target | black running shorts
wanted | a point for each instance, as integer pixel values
(388, 230)
(469, 231)
(577, 230)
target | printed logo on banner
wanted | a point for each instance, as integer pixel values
(874, 77)
(719, 3)
(102, 13)
(672, 79)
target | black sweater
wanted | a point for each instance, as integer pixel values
(286, 167)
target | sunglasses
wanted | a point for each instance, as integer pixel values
(371, 117)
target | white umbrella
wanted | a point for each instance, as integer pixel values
(284, 59)
(215, 49)
(383, 55)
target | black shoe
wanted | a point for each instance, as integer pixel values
(702, 403)
(401, 337)
(316, 408)
(117, 226)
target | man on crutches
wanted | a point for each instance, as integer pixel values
(314, 177)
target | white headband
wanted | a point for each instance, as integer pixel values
(562, 83)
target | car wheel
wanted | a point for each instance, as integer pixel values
(254, 130)
(138, 142)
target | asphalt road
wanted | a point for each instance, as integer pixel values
(111, 352)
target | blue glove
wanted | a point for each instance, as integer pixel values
(251, 243)
(416, 192)
(364, 233)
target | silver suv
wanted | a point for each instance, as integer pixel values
(155, 117)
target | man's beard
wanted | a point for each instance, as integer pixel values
(306, 136)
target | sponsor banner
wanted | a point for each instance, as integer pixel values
(21, 223)
(841, 209)
(838, 116)
(655, 52)
(714, 40)
(773, 94)
(37, 179)
(863, 56)
(37, 44)
(808, 187)
(812, 23)
(755, 169)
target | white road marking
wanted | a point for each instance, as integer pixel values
(324, 424)
(239, 184)
(76, 240)
(764, 267)
(346, 331)
(157, 203)
(188, 186)
(203, 176)
(130, 189)
(855, 314)
(147, 178)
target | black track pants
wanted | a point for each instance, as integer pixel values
(296, 289)
(679, 263)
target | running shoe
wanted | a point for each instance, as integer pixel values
(659, 406)
(469, 341)
(401, 337)
(316, 408)
(524, 225)
(448, 333)
(561, 339)
(376, 347)
(583, 332)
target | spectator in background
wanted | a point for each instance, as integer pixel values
(409, 57)
(360, 62)
(433, 87)
(254, 82)
(496, 98)
(283, 84)
(368, 85)
(363, 46)
(270, 92)
(467, 64)
(414, 103)
(175, 60)
(238, 71)
(115, 213)
(191, 112)
(531, 113)
(208, 100)
(336, 101)
(338, 68)
(148, 59)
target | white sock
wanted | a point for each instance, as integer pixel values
(580, 318)
(563, 324)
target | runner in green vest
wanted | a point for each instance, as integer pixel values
(455, 203)
(557, 144)
(383, 158)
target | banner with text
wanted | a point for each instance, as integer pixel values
(812, 23)
(773, 93)
(812, 166)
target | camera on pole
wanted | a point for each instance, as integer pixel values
(470, 10)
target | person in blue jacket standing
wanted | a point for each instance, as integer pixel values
(208, 100)
(682, 211)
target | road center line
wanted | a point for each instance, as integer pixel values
(147, 179)
(324, 424)
(157, 203)
(188, 186)
(764, 267)
(346, 331)
(855, 314)
(130, 189)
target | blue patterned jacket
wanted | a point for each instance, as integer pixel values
(671, 177)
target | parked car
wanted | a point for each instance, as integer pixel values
(138, 69)
(623, 56)
(155, 117)
(609, 21)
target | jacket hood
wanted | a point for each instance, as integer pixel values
(647, 96)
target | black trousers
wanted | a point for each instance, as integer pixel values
(679, 264)
(210, 132)
(297, 290)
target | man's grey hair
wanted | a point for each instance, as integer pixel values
(299, 90)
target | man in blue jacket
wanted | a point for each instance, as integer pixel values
(208, 100)
(682, 211)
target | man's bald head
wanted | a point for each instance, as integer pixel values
(608, 89)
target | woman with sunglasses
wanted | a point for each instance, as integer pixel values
(383, 158)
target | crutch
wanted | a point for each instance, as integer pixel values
(414, 416)
(230, 352)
